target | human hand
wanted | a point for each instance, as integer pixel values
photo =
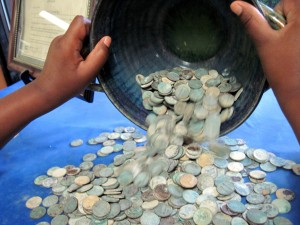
(279, 52)
(66, 73)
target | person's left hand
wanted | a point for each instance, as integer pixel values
(66, 73)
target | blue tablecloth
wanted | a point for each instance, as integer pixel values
(44, 143)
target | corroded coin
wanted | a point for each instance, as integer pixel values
(283, 205)
(202, 216)
(50, 200)
(256, 216)
(149, 218)
(101, 209)
(286, 194)
(33, 202)
(37, 212)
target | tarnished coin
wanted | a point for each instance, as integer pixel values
(101, 209)
(55, 210)
(37, 212)
(236, 206)
(39, 180)
(60, 220)
(187, 212)
(190, 196)
(279, 220)
(270, 210)
(50, 200)
(286, 194)
(256, 216)
(163, 210)
(33, 202)
(149, 218)
(71, 204)
(238, 221)
(202, 216)
(188, 181)
(283, 205)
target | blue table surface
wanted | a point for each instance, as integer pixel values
(44, 143)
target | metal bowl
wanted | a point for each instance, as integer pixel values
(148, 36)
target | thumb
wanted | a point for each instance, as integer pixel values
(97, 57)
(256, 25)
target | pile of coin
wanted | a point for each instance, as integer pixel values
(187, 185)
(201, 99)
(182, 172)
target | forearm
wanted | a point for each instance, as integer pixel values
(290, 105)
(19, 109)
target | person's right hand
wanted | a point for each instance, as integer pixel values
(279, 52)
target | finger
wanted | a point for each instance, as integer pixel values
(77, 31)
(279, 8)
(287, 8)
(254, 22)
(96, 59)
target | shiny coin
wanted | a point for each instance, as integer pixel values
(277, 161)
(237, 156)
(59, 172)
(257, 174)
(296, 169)
(235, 166)
(33, 202)
(261, 155)
(76, 143)
(268, 167)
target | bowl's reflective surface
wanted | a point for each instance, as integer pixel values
(161, 34)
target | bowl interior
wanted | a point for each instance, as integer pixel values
(148, 36)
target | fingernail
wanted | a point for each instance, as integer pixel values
(107, 41)
(236, 8)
